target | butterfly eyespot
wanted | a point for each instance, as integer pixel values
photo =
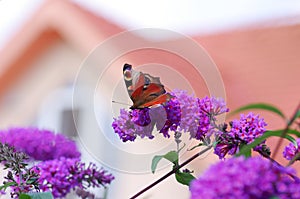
(147, 81)
(127, 75)
(145, 87)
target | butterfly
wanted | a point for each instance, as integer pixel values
(144, 90)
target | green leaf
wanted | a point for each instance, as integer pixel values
(263, 106)
(184, 178)
(298, 114)
(24, 196)
(267, 134)
(172, 156)
(155, 161)
(8, 184)
(246, 153)
(293, 132)
(40, 195)
(32, 180)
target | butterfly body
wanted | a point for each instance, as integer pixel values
(144, 89)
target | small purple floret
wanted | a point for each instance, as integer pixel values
(291, 150)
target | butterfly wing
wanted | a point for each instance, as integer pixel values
(157, 101)
(132, 78)
(144, 89)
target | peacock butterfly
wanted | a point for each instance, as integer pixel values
(144, 89)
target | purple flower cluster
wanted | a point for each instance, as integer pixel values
(190, 114)
(246, 178)
(18, 177)
(291, 150)
(127, 125)
(173, 111)
(181, 113)
(40, 144)
(212, 106)
(198, 114)
(23, 186)
(141, 117)
(141, 122)
(62, 175)
(242, 131)
(209, 108)
(248, 127)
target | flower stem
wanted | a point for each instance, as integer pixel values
(177, 137)
(278, 164)
(296, 157)
(289, 123)
(174, 170)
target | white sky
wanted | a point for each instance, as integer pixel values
(201, 16)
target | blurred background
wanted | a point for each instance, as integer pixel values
(255, 44)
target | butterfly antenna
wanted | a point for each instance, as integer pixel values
(113, 101)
